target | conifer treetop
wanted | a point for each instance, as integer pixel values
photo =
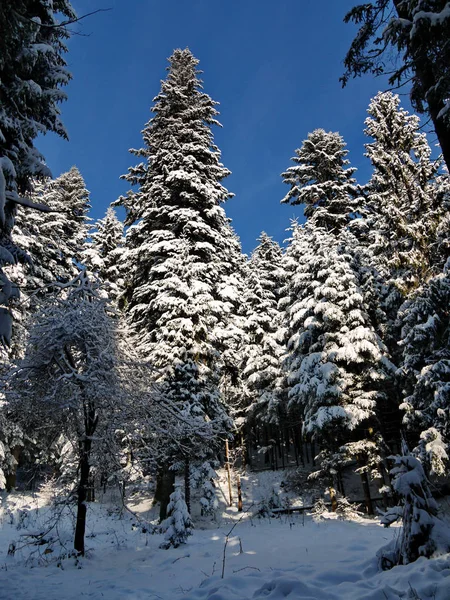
(182, 162)
(320, 180)
(403, 205)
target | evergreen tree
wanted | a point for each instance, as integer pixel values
(425, 371)
(337, 366)
(321, 181)
(416, 31)
(103, 253)
(262, 366)
(68, 195)
(418, 512)
(51, 241)
(178, 525)
(404, 204)
(432, 452)
(179, 292)
(231, 328)
(32, 72)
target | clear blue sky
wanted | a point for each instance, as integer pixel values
(273, 66)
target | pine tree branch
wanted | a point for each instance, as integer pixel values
(63, 24)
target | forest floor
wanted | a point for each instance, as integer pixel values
(292, 556)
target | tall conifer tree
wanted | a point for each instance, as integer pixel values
(263, 354)
(404, 205)
(103, 252)
(337, 365)
(425, 340)
(32, 71)
(179, 293)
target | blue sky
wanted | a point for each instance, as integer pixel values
(273, 66)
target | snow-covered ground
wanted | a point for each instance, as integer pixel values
(287, 557)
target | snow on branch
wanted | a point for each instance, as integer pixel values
(28, 203)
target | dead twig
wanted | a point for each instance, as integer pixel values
(243, 569)
(180, 557)
(227, 537)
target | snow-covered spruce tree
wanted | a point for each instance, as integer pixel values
(32, 72)
(203, 477)
(416, 31)
(321, 180)
(68, 195)
(178, 525)
(44, 238)
(185, 389)
(337, 366)
(417, 511)
(425, 369)
(178, 294)
(404, 205)
(263, 352)
(68, 377)
(103, 253)
(231, 330)
(51, 241)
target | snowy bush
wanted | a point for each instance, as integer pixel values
(417, 511)
(11, 442)
(267, 504)
(178, 525)
(347, 510)
(319, 509)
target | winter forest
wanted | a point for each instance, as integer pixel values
(160, 389)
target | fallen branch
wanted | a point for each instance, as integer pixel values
(180, 557)
(243, 569)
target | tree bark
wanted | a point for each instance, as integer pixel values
(187, 484)
(83, 483)
(333, 498)
(239, 490)
(366, 488)
(164, 487)
(227, 459)
(85, 446)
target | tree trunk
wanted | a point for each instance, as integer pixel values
(366, 488)
(165, 485)
(11, 478)
(281, 446)
(340, 481)
(187, 484)
(296, 449)
(239, 490)
(333, 498)
(227, 459)
(83, 484)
